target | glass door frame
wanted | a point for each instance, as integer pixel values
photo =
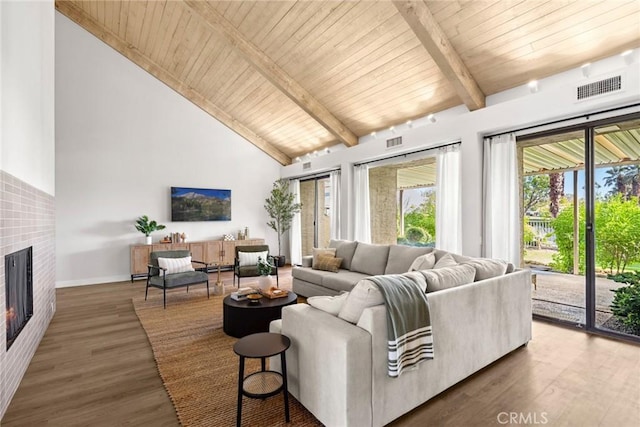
(590, 245)
(316, 179)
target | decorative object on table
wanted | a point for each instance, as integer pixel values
(228, 238)
(274, 292)
(183, 237)
(281, 207)
(246, 233)
(264, 270)
(146, 227)
(242, 293)
(254, 298)
(200, 204)
(240, 235)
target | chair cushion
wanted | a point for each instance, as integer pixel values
(250, 258)
(179, 279)
(247, 271)
(153, 258)
(176, 265)
(345, 250)
(370, 259)
(401, 257)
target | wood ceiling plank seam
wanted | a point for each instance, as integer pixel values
(467, 14)
(163, 30)
(274, 74)
(137, 10)
(100, 14)
(451, 8)
(285, 25)
(203, 61)
(154, 26)
(257, 111)
(610, 146)
(108, 13)
(236, 15)
(315, 27)
(222, 70)
(183, 50)
(500, 25)
(124, 16)
(176, 25)
(214, 65)
(440, 49)
(182, 20)
(372, 46)
(90, 24)
(145, 29)
(195, 51)
(245, 77)
(257, 26)
(331, 32)
(294, 116)
(93, 9)
(249, 97)
(115, 16)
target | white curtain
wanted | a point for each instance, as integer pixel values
(362, 220)
(448, 199)
(501, 199)
(295, 232)
(334, 182)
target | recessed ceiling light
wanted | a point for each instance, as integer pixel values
(409, 123)
(533, 86)
(431, 118)
(373, 134)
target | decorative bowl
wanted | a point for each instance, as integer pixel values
(254, 298)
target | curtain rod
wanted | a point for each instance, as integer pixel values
(586, 116)
(314, 175)
(435, 147)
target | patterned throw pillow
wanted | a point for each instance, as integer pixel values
(250, 258)
(322, 251)
(176, 265)
(327, 263)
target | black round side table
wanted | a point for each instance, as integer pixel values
(262, 384)
(240, 318)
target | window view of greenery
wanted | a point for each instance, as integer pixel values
(554, 239)
(419, 217)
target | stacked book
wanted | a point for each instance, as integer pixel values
(241, 294)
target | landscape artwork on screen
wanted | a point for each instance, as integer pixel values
(200, 204)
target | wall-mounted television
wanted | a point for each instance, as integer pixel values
(200, 204)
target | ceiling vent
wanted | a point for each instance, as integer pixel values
(394, 142)
(600, 87)
(306, 166)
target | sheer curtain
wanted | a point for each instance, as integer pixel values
(295, 232)
(334, 182)
(501, 199)
(448, 199)
(362, 220)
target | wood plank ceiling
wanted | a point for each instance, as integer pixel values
(297, 76)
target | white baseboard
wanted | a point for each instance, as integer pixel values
(92, 281)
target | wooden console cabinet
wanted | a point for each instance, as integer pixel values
(211, 251)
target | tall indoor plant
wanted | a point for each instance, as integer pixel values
(146, 227)
(281, 206)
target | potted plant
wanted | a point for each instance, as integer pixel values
(264, 270)
(147, 227)
(281, 207)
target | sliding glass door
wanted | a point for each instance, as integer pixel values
(315, 196)
(581, 228)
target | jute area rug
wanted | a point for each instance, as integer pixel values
(197, 364)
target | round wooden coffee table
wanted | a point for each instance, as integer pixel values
(240, 318)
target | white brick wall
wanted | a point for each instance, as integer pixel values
(27, 218)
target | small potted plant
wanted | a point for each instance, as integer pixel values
(146, 227)
(264, 270)
(281, 207)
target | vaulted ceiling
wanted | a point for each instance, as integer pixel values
(297, 76)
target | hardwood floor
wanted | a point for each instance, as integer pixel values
(95, 367)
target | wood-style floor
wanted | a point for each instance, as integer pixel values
(95, 367)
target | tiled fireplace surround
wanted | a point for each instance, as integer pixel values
(27, 218)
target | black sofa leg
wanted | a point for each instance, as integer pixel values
(164, 297)
(207, 289)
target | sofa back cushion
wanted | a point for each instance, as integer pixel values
(370, 259)
(448, 277)
(345, 250)
(487, 268)
(401, 257)
(423, 262)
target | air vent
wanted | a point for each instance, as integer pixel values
(601, 87)
(394, 142)
(306, 166)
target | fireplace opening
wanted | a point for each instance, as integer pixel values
(18, 272)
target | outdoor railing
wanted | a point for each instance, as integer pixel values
(543, 232)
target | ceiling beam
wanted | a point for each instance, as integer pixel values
(81, 18)
(272, 72)
(417, 15)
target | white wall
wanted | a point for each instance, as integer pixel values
(123, 139)
(27, 126)
(509, 110)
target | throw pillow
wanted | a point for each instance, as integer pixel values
(448, 277)
(250, 258)
(487, 268)
(364, 294)
(446, 260)
(176, 265)
(424, 262)
(327, 263)
(331, 305)
(322, 251)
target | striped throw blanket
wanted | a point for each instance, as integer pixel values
(408, 322)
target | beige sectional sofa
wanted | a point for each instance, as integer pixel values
(338, 369)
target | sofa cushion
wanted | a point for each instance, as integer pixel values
(487, 268)
(370, 259)
(401, 257)
(345, 250)
(179, 279)
(364, 294)
(446, 260)
(439, 253)
(417, 277)
(309, 275)
(345, 280)
(331, 305)
(327, 263)
(448, 277)
(322, 251)
(176, 265)
(423, 262)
